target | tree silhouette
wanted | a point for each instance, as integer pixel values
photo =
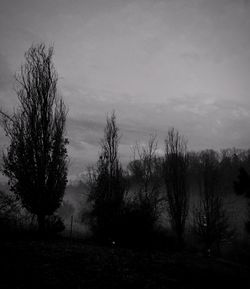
(106, 183)
(242, 187)
(145, 172)
(210, 220)
(36, 160)
(242, 184)
(175, 176)
(141, 210)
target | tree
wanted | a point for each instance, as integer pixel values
(142, 203)
(145, 171)
(210, 221)
(175, 176)
(106, 183)
(242, 184)
(36, 160)
(242, 187)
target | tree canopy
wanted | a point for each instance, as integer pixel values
(36, 160)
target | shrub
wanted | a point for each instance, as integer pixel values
(135, 225)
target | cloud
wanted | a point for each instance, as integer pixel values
(158, 64)
(5, 74)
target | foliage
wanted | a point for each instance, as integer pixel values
(106, 183)
(36, 159)
(135, 224)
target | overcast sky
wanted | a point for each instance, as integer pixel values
(181, 63)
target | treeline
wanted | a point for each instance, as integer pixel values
(125, 205)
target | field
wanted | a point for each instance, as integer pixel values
(63, 263)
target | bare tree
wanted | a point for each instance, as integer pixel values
(145, 170)
(175, 176)
(106, 182)
(36, 159)
(210, 221)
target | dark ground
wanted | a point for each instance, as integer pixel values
(63, 263)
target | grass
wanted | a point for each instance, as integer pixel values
(61, 263)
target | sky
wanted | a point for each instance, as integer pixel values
(157, 63)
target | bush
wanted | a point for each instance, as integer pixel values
(9, 209)
(135, 225)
